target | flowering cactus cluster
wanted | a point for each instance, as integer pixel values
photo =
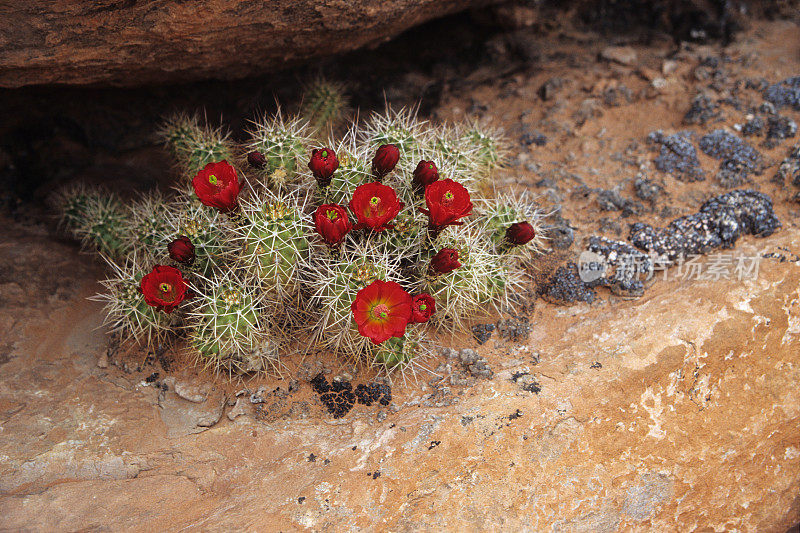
(363, 245)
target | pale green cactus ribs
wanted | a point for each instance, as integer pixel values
(284, 143)
(325, 104)
(194, 143)
(227, 328)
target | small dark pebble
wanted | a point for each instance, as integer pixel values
(677, 156)
(780, 127)
(596, 364)
(566, 286)
(514, 328)
(151, 378)
(625, 268)
(737, 157)
(754, 126)
(434, 444)
(560, 233)
(647, 189)
(702, 110)
(482, 332)
(784, 93)
(789, 168)
(301, 499)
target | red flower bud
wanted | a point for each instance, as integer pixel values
(375, 205)
(323, 164)
(181, 250)
(256, 160)
(422, 307)
(385, 160)
(217, 186)
(164, 288)
(446, 260)
(331, 221)
(447, 202)
(520, 233)
(425, 174)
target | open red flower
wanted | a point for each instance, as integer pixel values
(385, 160)
(217, 185)
(447, 202)
(520, 233)
(422, 307)
(331, 221)
(445, 260)
(323, 164)
(164, 288)
(382, 310)
(181, 250)
(375, 205)
(425, 174)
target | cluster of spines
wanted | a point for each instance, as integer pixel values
(265, 261)
(194, 142)
(283, 142)
(325, 104)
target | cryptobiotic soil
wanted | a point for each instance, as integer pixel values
(671, 406)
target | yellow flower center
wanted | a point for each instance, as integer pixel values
(448, 195)
(332, 215)
(423, 307)
(165, 288)
(374, 201)
(325, 153)
(212, 179)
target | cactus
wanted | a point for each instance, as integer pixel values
(285, 145)
(194, 143)
(147, 230)
(126, 311)
(488, 146)
(226, 326)
(272, 240)
(99, 221)
(401, 128)
(205, 227)
(325, 104)
(404, 353)
(334, 279)
(478, 288)
(354, 169)
(263, 280)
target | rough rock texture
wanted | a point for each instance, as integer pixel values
(633, 416)
(131, 43)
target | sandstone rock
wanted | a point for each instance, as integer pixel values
(135, 43)
(624, 55)
(644, 417)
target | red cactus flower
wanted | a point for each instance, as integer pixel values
(217, 186)
(375, 205)
(385, 160)
(425, 174)
(422, 307)
(382, 310)
(256, 159)
(447, 202)
(520, 233)
(164, 288)
(181, 250)
(445, 260)
(323, 164)
(331, 221)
